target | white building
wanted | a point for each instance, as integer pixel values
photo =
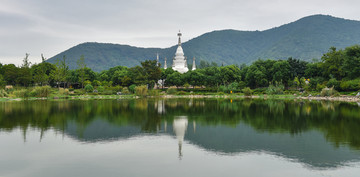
(179, 61)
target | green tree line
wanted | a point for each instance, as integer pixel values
(337, 68)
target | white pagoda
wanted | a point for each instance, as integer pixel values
(179, 61)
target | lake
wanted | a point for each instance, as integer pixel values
(179, 137)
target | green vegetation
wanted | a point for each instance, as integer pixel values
(247, 91)
(329, 92)
(306, 38)
(272, 77)
(141, 90)
(89, 88)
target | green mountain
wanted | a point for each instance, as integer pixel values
(304, 39)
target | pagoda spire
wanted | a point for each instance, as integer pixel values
(179, 34)
(157, 59)
(194, 65)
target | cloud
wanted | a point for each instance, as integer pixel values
(50, 27)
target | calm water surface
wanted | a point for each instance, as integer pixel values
(179, 137)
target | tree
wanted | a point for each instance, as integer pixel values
(81, 70)
(212, 76)
(25, 76)
(174, 79)
(117, 75)
(351, 64)
(313, 70)
(64, 71)
(297, 67)
(2, 81)
(1, 69)
(332, 64)
(26, 62)
(255, 76)
(203, 64)
(195, 78)
(137, 76)
(229, 74)
(39, 72)
(56, 74)
(281, 72)
(151, 71)
(11, 73)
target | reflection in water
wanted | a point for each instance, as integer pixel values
(160, 105)
(180, 125)
(318, 134)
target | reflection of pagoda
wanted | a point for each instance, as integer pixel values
(160, 105)
(180, 125)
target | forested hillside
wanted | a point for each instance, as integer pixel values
(304, 39)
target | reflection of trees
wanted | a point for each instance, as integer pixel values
(338, 121)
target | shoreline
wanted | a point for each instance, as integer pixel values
(265, 97)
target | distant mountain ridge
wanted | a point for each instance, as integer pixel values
(304, 39)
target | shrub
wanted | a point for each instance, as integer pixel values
(79, 92)
(329, 92)
(241, 85)
(105, 83)
(247, 91)
(220, 93)
(125, 91)
(132, 88)
(351, 85)
(87, 82)
(118, 88)
(233, 86)
(333, 83)
(42, 91)
(182, 93)
(223, 88)
(23, 93)
(171, 90)
(96, 83)
(320, 87)
(275, 89)
(186, 85)
(154, 92)
(63, 91)
(141, 90)
(89, 88)
(314, 82)
(9, 88)
(107, 92)
(3, 93)
(100, 89)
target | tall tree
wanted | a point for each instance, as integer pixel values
(25, 76)
(81, 69)
(281, 72)
(332, 64)
(297, 67)
(39, 72)
(151, 71)
(64, 70)
(351, 64)
(11, 73)
(56, 73)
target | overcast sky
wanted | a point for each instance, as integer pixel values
(50, 27)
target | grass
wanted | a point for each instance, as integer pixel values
(79, 94)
